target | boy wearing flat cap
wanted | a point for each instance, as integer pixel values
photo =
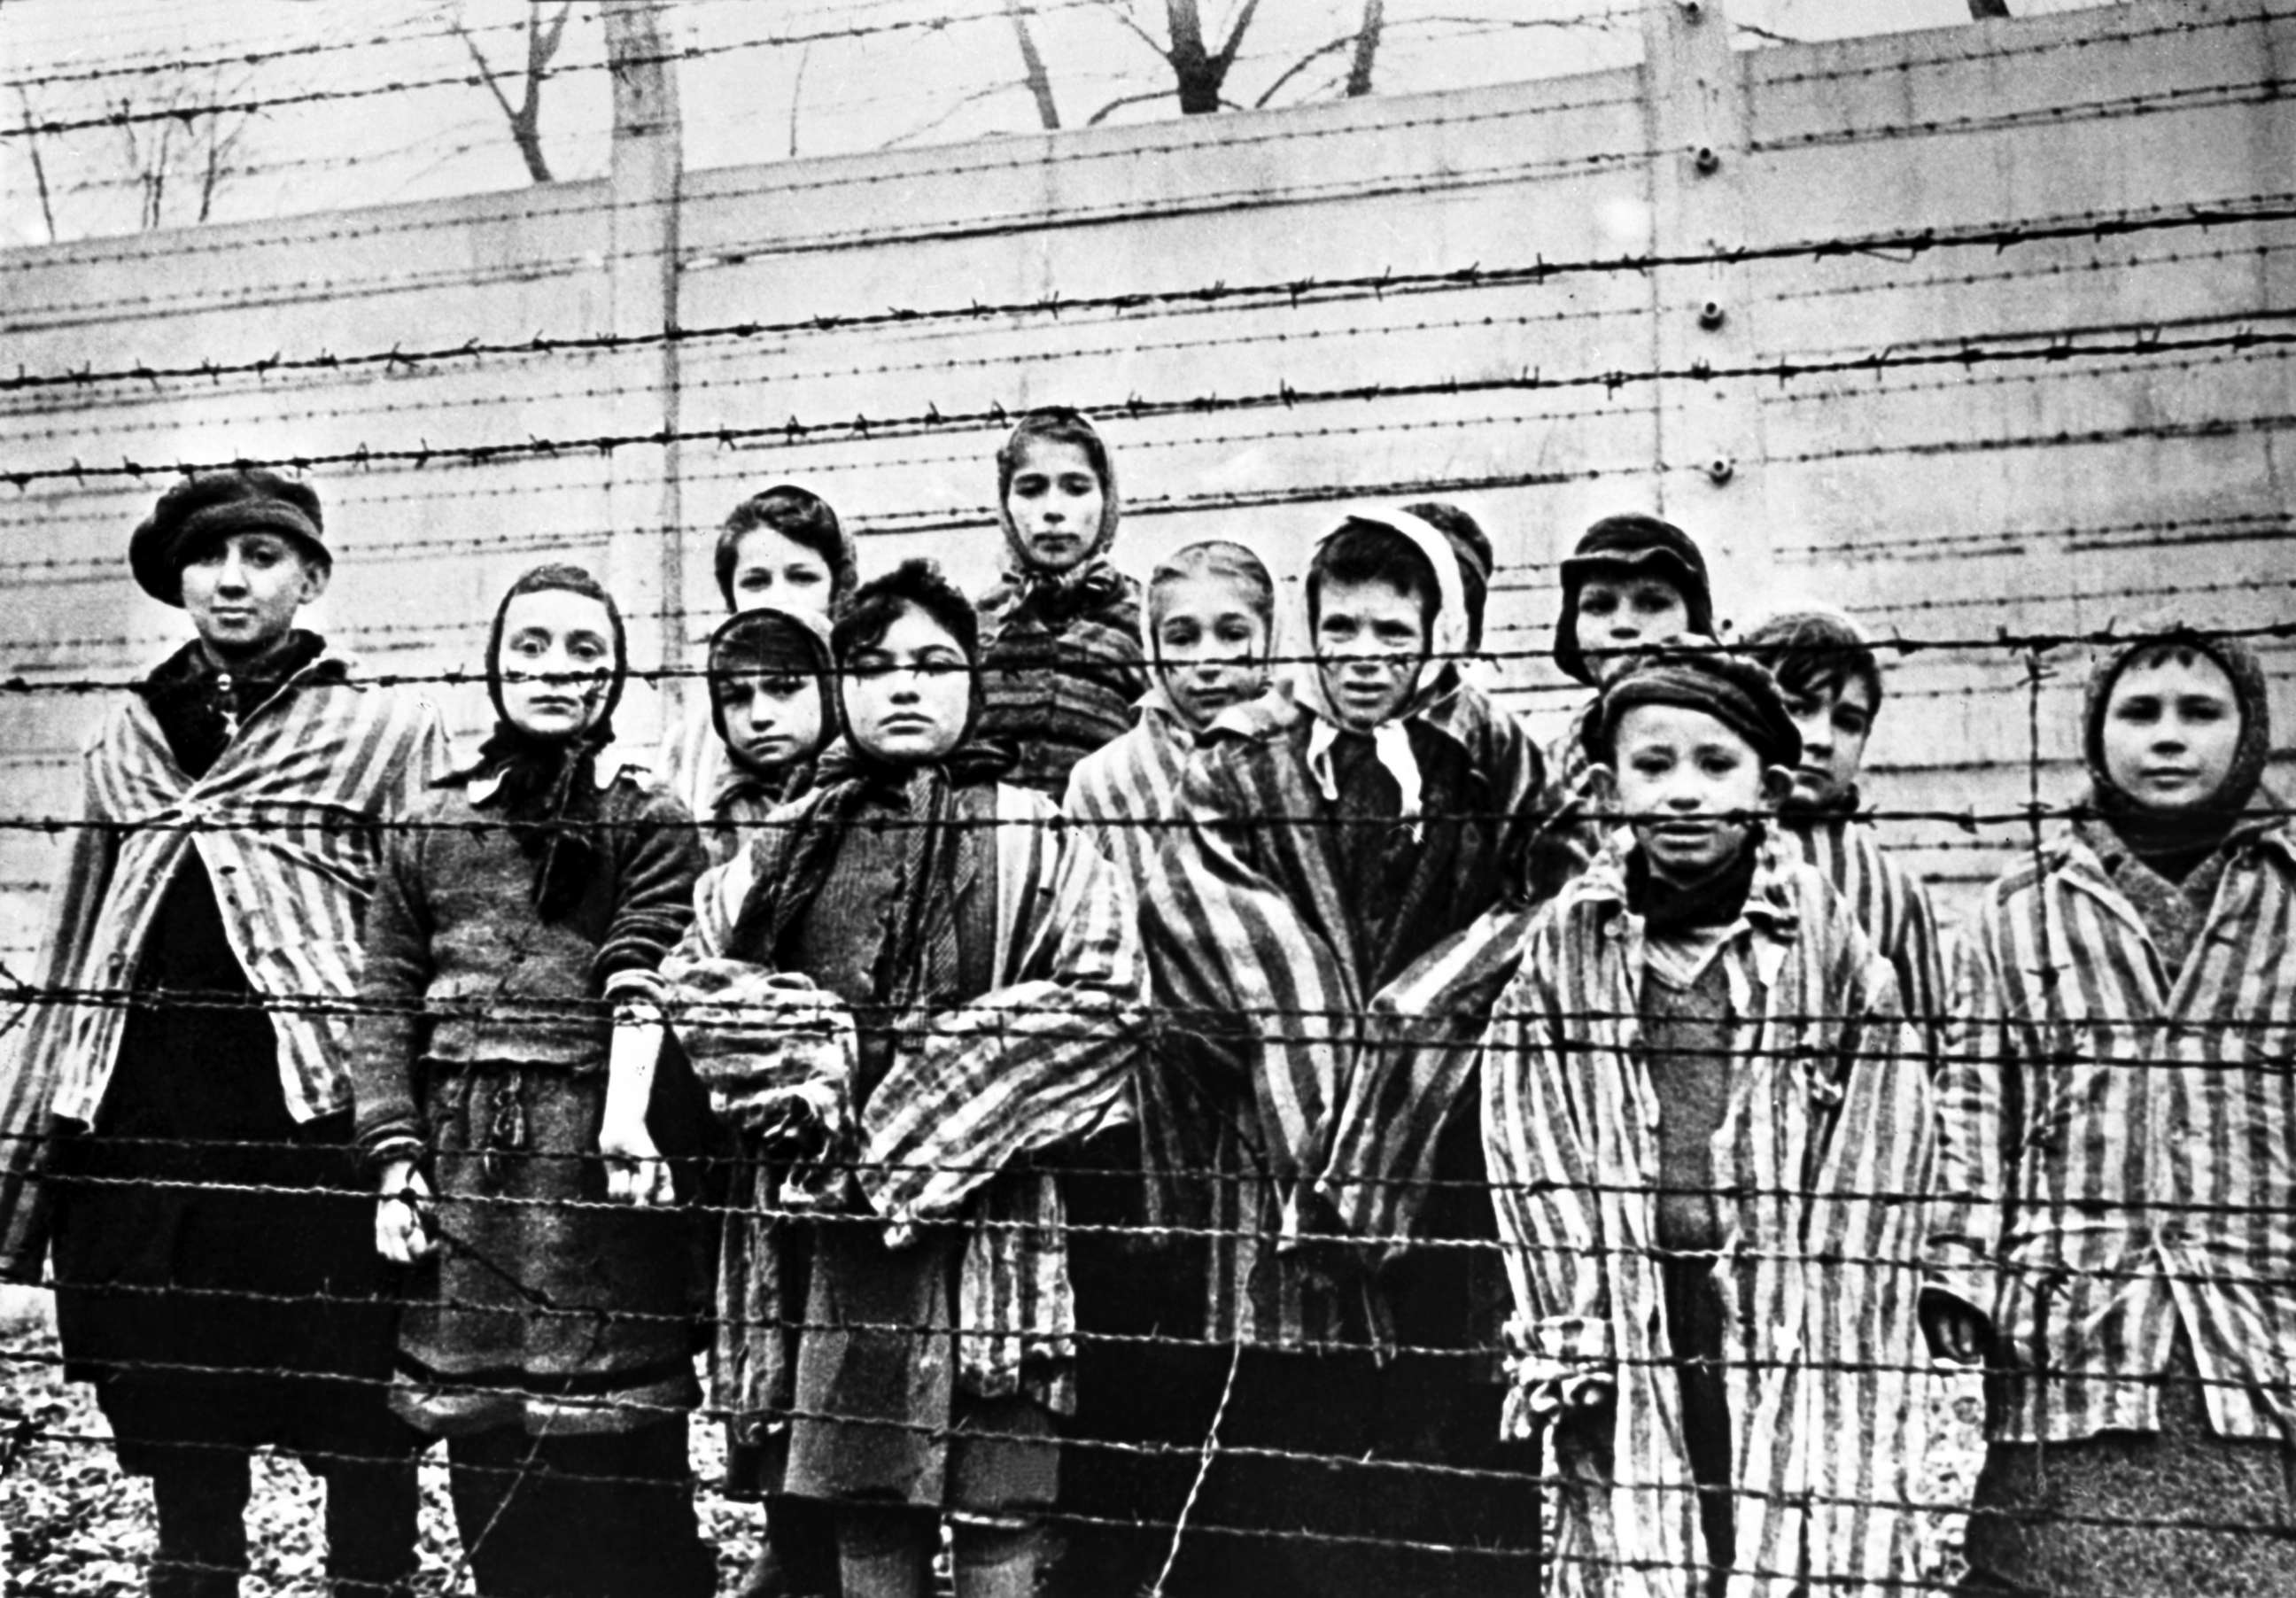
(179, 1109)
(1708, 1131)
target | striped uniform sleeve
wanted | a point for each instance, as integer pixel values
(1037, 1062)
(35, 1065)
(1253, 979)
(1541, 1153)
(1980, 1063)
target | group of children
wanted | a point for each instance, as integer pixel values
(1171, 1118)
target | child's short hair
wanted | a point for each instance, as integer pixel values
(877, 603)
(1816, 651)
(1473, 546)
(1365, 551)
(1216, 559)
(802, 517)
(1054, 424)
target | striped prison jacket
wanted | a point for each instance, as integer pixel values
(1426, 1029)
(1254, 962)
(289, 823)
(2119, 1145)
(1041, 1059)
(1822, 1163)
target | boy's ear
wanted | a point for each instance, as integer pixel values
(316, 574)
(1603, 784)
(1777, 786)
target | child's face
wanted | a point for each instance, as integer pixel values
(242, 590)
(1618, 612)
(1212, 647)
(769, 564)
(1371, 642)
(1692, 787)
(2171, 728)
(1056, 500)
(556, 659)
(772, 719)
(1834, 723)
(908, 696)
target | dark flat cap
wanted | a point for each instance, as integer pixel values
(201, 509)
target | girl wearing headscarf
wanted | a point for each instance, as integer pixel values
(508, 1094)
(1061, 663)
(772, 708)
(2116, 1129)
(1145, 1378)
(782, 547)
(915, 982)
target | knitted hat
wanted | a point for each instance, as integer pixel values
(1632, 544)
(2250, 754)
(196, 512)
(1736, 692)
(1472, 547)
(772, 641)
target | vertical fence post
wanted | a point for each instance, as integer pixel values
(645, 520)
(1709, 431)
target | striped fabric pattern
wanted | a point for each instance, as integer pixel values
(289, 823)
(2119, 1144)
(1891, 904)
(1043, 1058)
(1829, 1127)
(1250, 950)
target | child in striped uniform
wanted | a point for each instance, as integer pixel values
(1709, 1133)
(1062, 665)
(2118, 1120)
(1210, 631)
(1335, 834)
(1633, 582)
(1827, 668)
(961, 974)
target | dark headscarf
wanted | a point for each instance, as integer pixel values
(548, 787)
(2171, 840)
(774, 641)
(1736, 692)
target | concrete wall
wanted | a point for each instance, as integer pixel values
(2064, 490)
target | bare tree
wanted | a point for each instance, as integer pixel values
(1366, 48)
(1199, 72)
(1982, 9)
(39, 163)
(542, 41)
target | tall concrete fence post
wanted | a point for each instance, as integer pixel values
(645, 516)
(1703, 315)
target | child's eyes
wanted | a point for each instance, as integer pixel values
(1236, 634)
(939, 666)
(1718, 766)
(868, 667)
(1850, 723)
(2203, 710)
(1596, 604)
(787, 687)
(1078, 483)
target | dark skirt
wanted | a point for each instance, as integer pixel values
(2179, 1512)
(879, 1416)
(545, 1305)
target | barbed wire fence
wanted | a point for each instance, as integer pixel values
(1983, 333)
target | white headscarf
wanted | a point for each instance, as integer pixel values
(1446, 645)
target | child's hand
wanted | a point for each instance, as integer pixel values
(402, 1218)
(636, 1172)
(1955, 1329)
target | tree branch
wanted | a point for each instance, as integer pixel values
(1227, 57)
(1375, 18)
(1032, 64)
(39, 166)
(1121, 100)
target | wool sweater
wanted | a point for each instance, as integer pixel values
(459, 967)
(1061, 668)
